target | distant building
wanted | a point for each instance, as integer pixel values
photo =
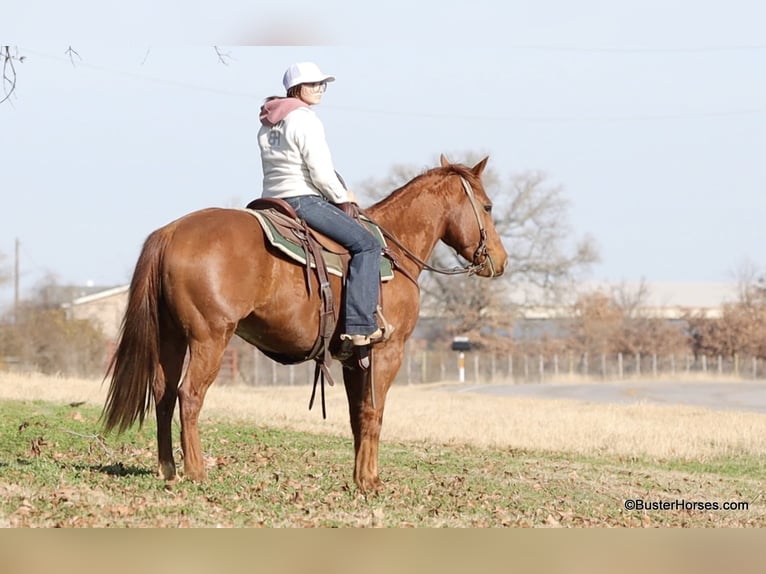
(105, 308)
(664, 300)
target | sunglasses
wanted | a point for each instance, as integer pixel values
(316, 86)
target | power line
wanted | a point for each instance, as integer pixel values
(470, 117)
(176, 83)
(640, 50)
(552, 119)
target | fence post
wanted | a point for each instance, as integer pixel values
(526, 368)
(755, 368)
(273, 373)
(654, 365)
(704, 364)
(409, 368)
(619, 365)
(424, 367)
(542, 368)
(736, 365)
(256, 352)
(234, 366)
(638, 364)
(720, 364)
(510, 367)
(476, 368)
(556, 366)
(603, 365)
(585, 363)
(673, 365)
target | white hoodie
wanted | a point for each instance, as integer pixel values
(294, 153)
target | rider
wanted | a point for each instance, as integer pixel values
(298, 168)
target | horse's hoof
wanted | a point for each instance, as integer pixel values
(167, 472)
(193, 476)
(370, 485)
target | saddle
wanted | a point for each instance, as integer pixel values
(286, 233)
(292, 237)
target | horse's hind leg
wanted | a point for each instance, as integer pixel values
(204, 363)
(172, 354)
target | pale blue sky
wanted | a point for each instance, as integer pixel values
(651, 115)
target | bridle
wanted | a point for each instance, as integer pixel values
(481, 256)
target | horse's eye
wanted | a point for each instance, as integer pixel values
(488, 208)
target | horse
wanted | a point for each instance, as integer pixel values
(210, 274)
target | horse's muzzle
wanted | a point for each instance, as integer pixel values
(490, 268)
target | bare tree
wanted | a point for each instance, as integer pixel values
(44, 339)
(9, 57)
(741, 328)
(531, 216)
(751, 283)
(617, 322)
(597, 323)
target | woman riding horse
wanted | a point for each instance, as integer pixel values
(297, 168)
(210, 274)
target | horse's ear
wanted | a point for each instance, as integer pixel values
(478, 169)
(443, 161)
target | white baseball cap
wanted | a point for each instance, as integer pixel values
(304, 73)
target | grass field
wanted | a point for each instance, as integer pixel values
(447, 459)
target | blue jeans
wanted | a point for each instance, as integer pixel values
(363, 281)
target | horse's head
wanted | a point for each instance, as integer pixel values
(469, 229)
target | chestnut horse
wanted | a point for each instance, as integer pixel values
(210, 275)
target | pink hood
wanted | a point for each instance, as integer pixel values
(274, 111)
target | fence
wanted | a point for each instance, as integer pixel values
(248, 366)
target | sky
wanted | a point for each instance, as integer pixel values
(650, 115)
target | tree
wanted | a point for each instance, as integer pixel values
(43, 339)
(596, 325)
(544, 259)
(617, 322)
(9, 58)
(741, 328)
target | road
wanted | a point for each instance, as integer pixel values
(739, 396)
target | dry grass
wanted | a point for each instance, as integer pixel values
(430, 413)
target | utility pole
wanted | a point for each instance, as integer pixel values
(16, 284)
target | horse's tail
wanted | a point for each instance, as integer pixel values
(134, 366)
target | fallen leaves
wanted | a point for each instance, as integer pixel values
(55, 472)
(35, 446)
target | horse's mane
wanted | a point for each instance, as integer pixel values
(418, 180)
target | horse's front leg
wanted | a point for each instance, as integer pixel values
(366, 418)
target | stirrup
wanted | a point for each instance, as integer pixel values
(378, 336)
(388, 328)
(363, 340)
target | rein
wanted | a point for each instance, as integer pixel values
(472, 268)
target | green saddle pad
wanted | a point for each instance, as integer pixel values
(294, 250)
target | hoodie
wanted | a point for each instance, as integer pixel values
(275, 110)
(295, 156)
